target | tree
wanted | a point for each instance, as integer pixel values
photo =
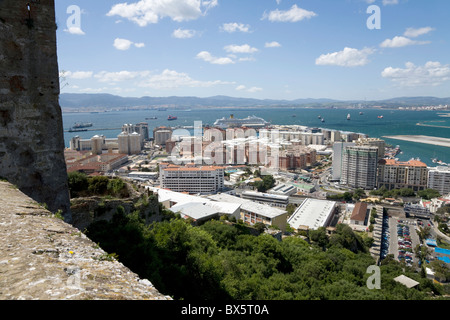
(424, 232)
(290, 208)
(428, 194)
(98, 185)
(78, 182)
(422, 253)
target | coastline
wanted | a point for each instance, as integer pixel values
(437, 141)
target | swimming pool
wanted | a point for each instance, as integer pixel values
(441, 250)
(445, 259)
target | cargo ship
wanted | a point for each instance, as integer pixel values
(171, 118)
(81, 125)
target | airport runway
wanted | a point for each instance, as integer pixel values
(437, 141)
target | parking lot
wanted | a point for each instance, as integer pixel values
(403, 239)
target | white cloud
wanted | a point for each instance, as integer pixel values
(145, 12)
(113, 77)
(255, 89)
(251, 90)
(272, 44)
(294, 14)
(75, 30)
(206, 56)
(414, 33)
(245, 48)
(170, 79)
(78, 74)
(348, 57)
(233, 27)
(400, 41)
(183, 33)
(124, 44)
(431, 74)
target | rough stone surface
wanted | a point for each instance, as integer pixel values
(44, 258)
(31, 129)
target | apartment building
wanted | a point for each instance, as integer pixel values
(439, 179)
(191, 179)
(338, 151)
(359, 167)
(393, 174)
(374, 142)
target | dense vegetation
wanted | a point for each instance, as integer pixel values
(405, 192)
(220, 260)
(81, 185)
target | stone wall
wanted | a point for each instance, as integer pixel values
(44, 258)
(31, 130)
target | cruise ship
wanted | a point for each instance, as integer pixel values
(251, 122)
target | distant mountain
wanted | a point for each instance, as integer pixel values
(82, 101)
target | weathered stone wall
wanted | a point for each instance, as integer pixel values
(44, 258)
(31, 131)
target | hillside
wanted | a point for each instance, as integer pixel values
(75, 101)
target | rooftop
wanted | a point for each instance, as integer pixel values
(359, 212)
(312, 213)
(410, 283)
(248, 205)
(410, 163)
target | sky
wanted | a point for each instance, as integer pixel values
(264, 49)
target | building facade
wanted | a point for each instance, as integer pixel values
(439, 179)
(338, 151)
(393, 174)
(359, 167)
(191, 179)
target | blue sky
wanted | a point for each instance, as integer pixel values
(265, 49)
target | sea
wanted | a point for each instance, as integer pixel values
(367, 121)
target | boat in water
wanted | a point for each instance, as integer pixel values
(171, 118)
(81, 125)
(151, 118)
(380, 117)
(348, 117)
(250, 122)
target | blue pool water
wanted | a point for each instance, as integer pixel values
(446, 259)
(443, 251)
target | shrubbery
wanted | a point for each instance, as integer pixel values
(81, 185)
(218, 260)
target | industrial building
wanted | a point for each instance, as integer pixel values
(252, 212)
(313, 214)
(274, 200)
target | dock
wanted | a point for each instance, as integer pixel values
(85, 129)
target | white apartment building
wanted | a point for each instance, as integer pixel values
(129, 143)
(359, 167)
(338, 151)
(203, 180)
(439, 179)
